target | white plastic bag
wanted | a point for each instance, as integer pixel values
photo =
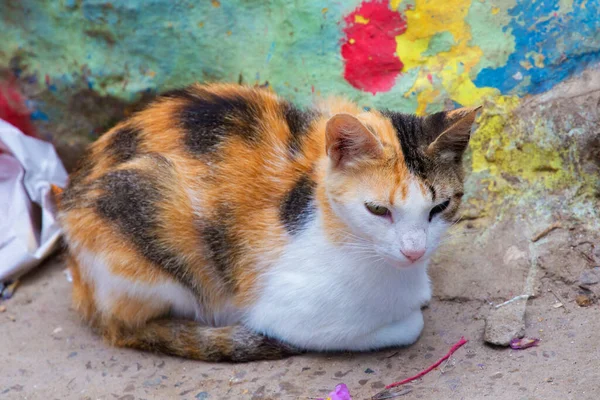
(28, 227)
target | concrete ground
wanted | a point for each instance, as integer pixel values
(47, 353)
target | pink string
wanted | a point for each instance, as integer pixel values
(457, 346)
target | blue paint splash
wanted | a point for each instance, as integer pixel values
(569, 43)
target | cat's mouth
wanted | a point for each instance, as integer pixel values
(403, 263)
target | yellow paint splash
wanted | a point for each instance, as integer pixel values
(526, 64)
(395, 4)
(427, 19)
(502, 151)
(359, 19)
(538, 59)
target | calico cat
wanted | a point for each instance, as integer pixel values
(222, 223)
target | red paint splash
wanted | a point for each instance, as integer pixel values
(13, 108)
(369, 49)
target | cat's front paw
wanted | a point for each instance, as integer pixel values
(401, 333)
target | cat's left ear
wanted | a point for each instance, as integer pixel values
(451, 143)
(348, 141)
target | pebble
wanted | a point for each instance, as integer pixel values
(589, 277)
(2, 309)
(9, 289)
(506, 323)
(583, 300)
(12, 317)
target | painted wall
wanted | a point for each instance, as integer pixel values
(81, 62)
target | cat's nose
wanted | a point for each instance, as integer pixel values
(413, 244)
(413, 254)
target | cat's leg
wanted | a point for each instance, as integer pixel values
(159, 315)
(401, 333)
(120, 289)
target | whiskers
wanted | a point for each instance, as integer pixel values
(360, 249)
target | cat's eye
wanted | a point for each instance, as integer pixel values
(375, 209)
(438, 209)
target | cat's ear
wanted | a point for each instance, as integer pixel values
(348, 141)
(454, 133)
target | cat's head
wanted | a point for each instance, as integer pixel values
(395, 181)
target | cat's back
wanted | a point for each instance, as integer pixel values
(210, 125)
(201, 187)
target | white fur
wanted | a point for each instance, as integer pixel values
(366, 295)
(109, 287)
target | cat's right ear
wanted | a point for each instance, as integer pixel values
(349, 141)
(452, 134)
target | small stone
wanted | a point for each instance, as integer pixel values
(589, 277)
(506, 323)
(152, 382)
(202, 395)
(497, 375)
(9, 290)
(550, 380)
(369, 371)
(558, 305)
(2, 309)
(12, 317)
(583, 300)
(57, 330)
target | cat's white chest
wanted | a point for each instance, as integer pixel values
(323, 297)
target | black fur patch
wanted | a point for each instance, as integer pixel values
(412, 137)
(433, 192)
(72, 196)
(210, 119)
(299, 122)
(184, 93)
(130, 201)
(123, 144)
(250, 346)
(222, 249)
(435, 124)
(297, 207)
